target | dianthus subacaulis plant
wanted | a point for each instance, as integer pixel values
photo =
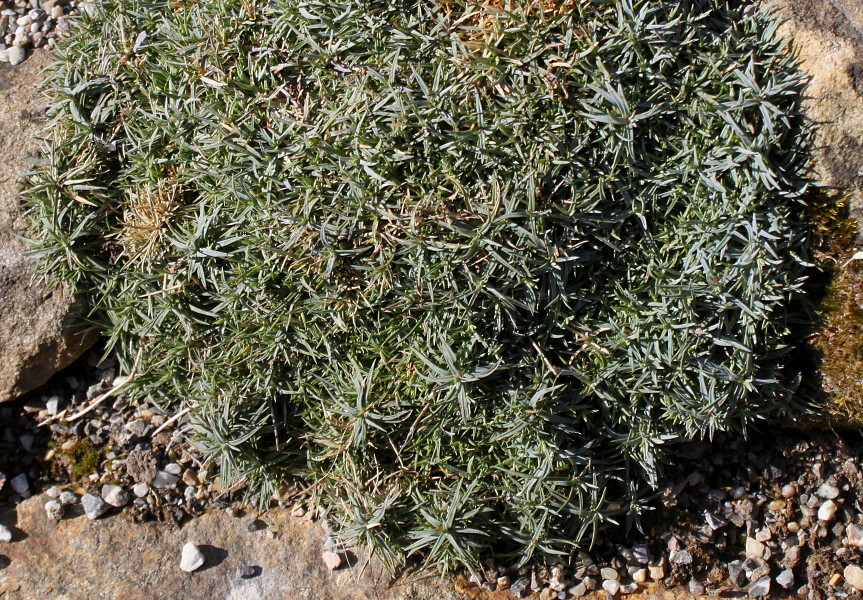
(462, 268)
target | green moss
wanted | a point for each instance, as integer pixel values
(85, 458)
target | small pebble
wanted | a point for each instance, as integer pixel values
(760, 588)
(141, 490)
(578, 591)
(657, 572)
(611, 587)
(854, 536)
(763, 535)
(827, 491)
(788, 491)
(53, 492)
(68, 497)
(854, 576)
(54, 510)
(639, 576)
(94, 506)
(786, 579)
(683, 557)
(191, 558)
(834, 579)
(332, 560)
(503, 582)
(165, 480)
(5, 534)
(20, 484)
(695, 587)
(641, 554)
(521, 587)
(173, 469)
(827, 511)
(608, 573)
(754, 548)
(115, 495)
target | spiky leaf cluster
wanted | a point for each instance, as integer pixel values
(464, 267)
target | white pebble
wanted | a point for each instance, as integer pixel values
(5, 535)
(115, 495)
(56, 12)
(141, 490)
(165, 480)
(54, 510)
(827, 511)
(173, 469)
(192, 558)
(23, 21)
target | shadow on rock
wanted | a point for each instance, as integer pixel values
(213, 556)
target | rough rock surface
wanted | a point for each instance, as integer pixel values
(69, 561)
(35, 335)
(829, 39)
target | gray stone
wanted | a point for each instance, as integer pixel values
(786, 579)
(94, 506)
(695, 587)
(578, 591)
(66, 497)
(165, 480)
(854, 577)
(683, 557)
(141, 490)
(736, 573)
(641, 554)
(54, 509)
(760, 588)
(590, 583)
(5, 534)
(520, 587)
(20, 484)
(192, 558)
(245, 571)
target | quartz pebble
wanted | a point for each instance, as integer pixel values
(754, 548)
(67, 497)
(611, 587)
(608, 573)
(192, 558)
(165, 480)
(639, 576)
(173, 469)
(786, 579)
(854, 536)
(827, 491)
(332, 560)
(141, 490)
(854, 576)
(115, 495)
(827, 511)
(94, 506)
(5, 534)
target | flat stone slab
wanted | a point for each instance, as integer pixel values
(113, 558)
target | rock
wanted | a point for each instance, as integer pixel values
(695, 587)
(141, 490)
(792, 556)
(38, 331)
(639, 576)
(137, 427)
(641, 554)
(94, 506)
(827, 511)
(609, 573)
(245, 571)
(332, 560)
(16, 55)
(854, 576)
(763, 535)
(165, 480)
(715, 522)
(5, 534)
(20, 484)
(115, 495)
(786, 579)
(834, 579)
(657, 572)
(788, 491)
(520, 587)
(192, 558)
(67, 497)
(590, 583)
(53, 492)
(854, 536)
(173, 469)
(547, 594)
(190, 478)
(54, 510)
(827, 491)
(577, 591)
(611, 587)
(629, 588)
(503, 582)
(141, 466)
(736, 574)
(760, 588)
(754, 548)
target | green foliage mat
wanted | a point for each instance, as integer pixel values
(465, 269)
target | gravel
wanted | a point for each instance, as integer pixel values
(54, 509)
(5, 534)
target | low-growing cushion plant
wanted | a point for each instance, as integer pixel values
(463, 269)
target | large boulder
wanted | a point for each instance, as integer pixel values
(39, 331)
(829, 39)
